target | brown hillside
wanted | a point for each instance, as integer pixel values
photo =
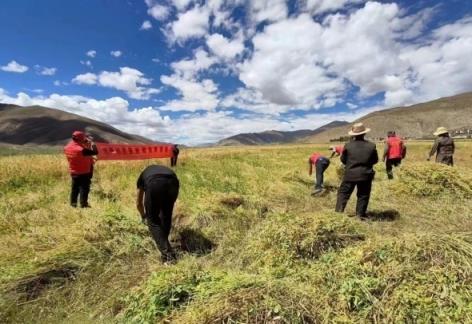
(45, 126)
(416, 121)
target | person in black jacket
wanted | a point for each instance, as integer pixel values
(175, 155)
(158, 188)
(443, 147)
(359, 157)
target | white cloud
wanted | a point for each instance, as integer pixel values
(42, 70)
(286, 67)
(195, 95)
(224, 47)
(129, 80)
(91, 53)
(268, 10)
(190, 24)
(189, 68)
(87, 63)
(157, 11)
(181, 4)
(116, 53)
(322, 6)
(146, 25)
(15, 67)
(86, 78)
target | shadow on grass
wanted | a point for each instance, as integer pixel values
(193, 241)
(389, 215)
(31, 287)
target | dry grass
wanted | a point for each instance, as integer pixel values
(255, 246)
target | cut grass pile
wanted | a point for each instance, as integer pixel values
(253, 245)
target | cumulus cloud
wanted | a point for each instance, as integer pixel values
(268, 10)
(42, 70)
(223, 47)
(146, 25)
(190, 24)
(91, 53)
(322, 6)
(156, 10)
(129, 80)
(195, 95)
(116, 53)
(14, 67)
(86, 78)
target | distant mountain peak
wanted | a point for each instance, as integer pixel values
(47, 126)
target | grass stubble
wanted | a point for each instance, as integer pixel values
(254, 246)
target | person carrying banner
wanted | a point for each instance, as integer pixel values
(443, 147)
(158, 189)
(175, 155)
(321, 164)
(394, 153)
(79, 153)
(359, 157)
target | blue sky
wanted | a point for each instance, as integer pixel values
(197, 71)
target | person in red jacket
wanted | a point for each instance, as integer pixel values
(79, 153)
(394, 152)
(321, 164)
(336, 150)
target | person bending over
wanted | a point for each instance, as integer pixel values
(158, 188)
(321, 164)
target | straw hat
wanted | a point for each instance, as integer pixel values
(440, 131)
(358, 129)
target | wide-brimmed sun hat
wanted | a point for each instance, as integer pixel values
(440, 131)
(358, 129)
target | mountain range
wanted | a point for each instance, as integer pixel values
(36, 125)
(417, 121)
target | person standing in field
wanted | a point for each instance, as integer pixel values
(175, 155)
(443, 147)
(336, 150)
(394, 152)
(79, 153)
(158, 188)
(321, 164)
(359, 157)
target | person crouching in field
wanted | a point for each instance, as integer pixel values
(321, 164)
(443, 147)
(394, 152)
(79, 153)
(158, 188)
(336, 150)
(359, 157)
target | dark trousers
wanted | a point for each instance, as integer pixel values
(173, 160)
(363, 196)
(159, 200)
(389, 164)
(80, 186)
(445, 159)
(321, 165)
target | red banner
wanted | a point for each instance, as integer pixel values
(133, 152)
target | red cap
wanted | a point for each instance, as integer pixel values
(78, 135)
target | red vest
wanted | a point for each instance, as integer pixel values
(395, 146)
(78, 163)
(339, 149)
(314, 157)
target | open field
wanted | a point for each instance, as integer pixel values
(255, 246)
